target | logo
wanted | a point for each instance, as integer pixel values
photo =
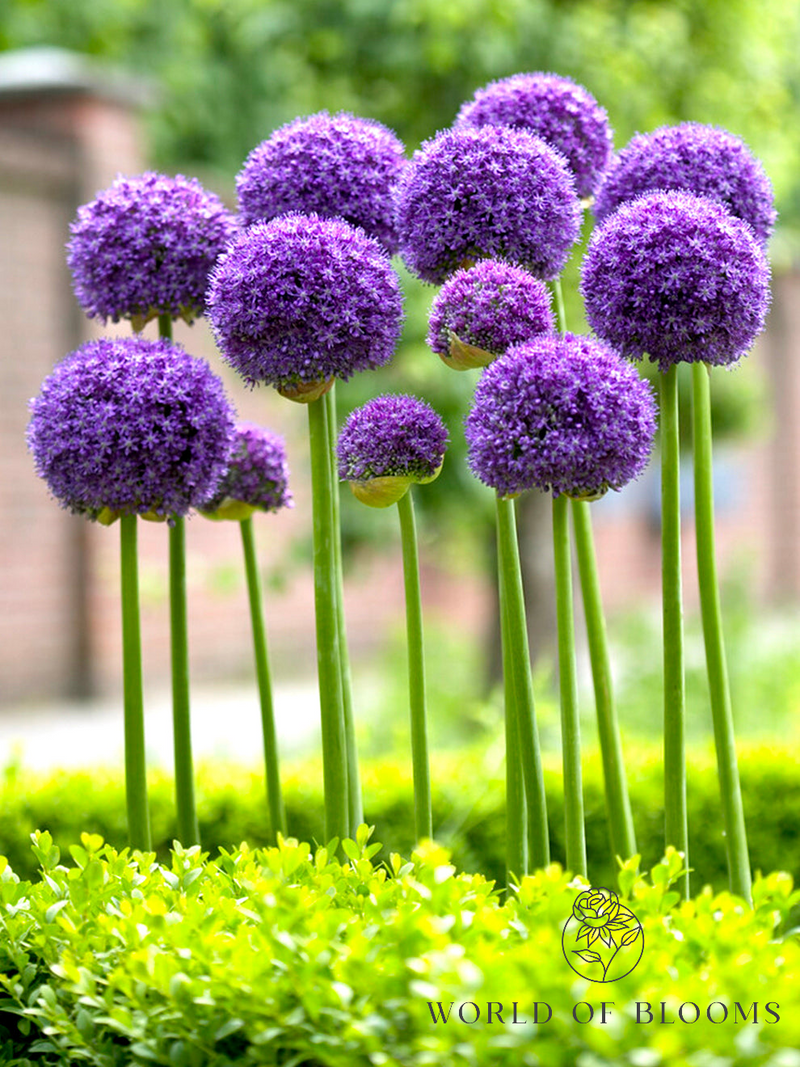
(602, 939)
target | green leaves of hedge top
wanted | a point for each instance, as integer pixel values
(292, 956)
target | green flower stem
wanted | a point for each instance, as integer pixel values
(277, 816)
(423, 818)
(135, 766)
(516, 811)
(675, 816)
(355, 802)
(516, 654)
(334, 743)
(618, 805)
(188, 831)
(727, 767)
(568, 686)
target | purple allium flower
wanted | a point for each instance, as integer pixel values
(257, 474)
(302, 299)
(486, 193)
(333, 165)
(703, 160)
(488, 307)
(558, 110)
(678, 277)
(392, 436)
(132, 426)
(561, 413)
(145, 247)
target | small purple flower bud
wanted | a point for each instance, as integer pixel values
(560, 413)
(387, 445)
(131, 426)
(557, 109)
(478, 313)
(257, 478)
(486, 193)
(704, 160)
(145, 247)
(677, 277)
(300, 300)
(332, 165)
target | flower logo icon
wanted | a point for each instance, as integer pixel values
(602, 939)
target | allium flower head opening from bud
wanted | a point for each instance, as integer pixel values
(678, 277)
(560, 413)
(332, 165)
(392, 436)
(131, 426)
(304, 299)
(145, 247)
(703, 160)
(558, 110)
(492, 192)
(257, 474)
(490, 306)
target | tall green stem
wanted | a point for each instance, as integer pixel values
(516, 652)
(272, 772)
(334, 743)
(423, 817)
(188, 831)
(568, 686)
(135, 766)
(516, 811)
(618, 806)
(355, 803)
(675, 816)
(727, 767)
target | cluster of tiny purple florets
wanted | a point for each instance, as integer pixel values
(492, 192)
(391, 436)
(334, 165)
(561, 414)
(558, 110)
(492, 305)
(258, 472)
(703, 160)
(303, 299)
(145, 247)
(133, 426)
(677, 277)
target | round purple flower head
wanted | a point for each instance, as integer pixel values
(556, 109)
(131, 426)
(334, 165)
(257, 478)
(388, 444)
(703, 160)
(479, 312)
(678, 277)
(145, 247)
(486, 193)
(560, 413)
(302, 299)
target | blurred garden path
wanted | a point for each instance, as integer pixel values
(226, 724)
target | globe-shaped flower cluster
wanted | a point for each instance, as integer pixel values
(560, 413)
(483, 310)
(257, 477)
(558, 110)
(677, 277)
(334, 165)
(131, 426)
(703, 160)
(302, 299)
(492, 192)
(145, 247)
